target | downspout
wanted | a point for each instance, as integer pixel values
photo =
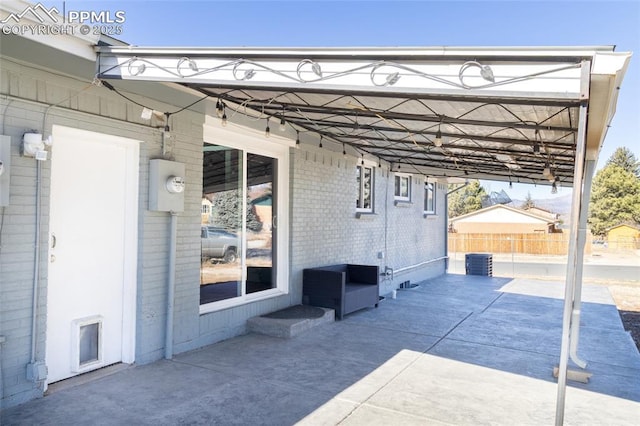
(582, 238)
(446, 232)
(2, 340)
(572, 257)
(171, 285)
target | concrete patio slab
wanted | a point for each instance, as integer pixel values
(411, 318)
(443, 391)
(456, 350)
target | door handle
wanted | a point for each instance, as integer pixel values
(53, 240)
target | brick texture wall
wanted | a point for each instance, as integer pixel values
(326, 230)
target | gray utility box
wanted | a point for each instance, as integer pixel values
(166, 186)
(479, 264)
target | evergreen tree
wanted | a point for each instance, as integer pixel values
(528, 202)
(225, 212)
(615, 198)
(624, 158)
(466, 200)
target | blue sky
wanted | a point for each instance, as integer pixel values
(399, 23)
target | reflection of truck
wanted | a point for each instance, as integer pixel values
(218, 243)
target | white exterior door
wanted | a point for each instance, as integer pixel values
(92, 252)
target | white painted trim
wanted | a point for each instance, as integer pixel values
(367, 162)
(350, 52)
(409, 177)
(370, 165)
(131, 253)
(435, 197)
(130, 249)
(216, 132)
(252, 141)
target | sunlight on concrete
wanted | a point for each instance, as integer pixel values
(417, 388)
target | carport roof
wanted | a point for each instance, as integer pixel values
(501, 113)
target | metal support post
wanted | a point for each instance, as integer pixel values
(572, 258)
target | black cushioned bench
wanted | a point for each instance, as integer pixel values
(345, 288)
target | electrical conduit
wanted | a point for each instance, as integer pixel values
(171, 285)
(36, 264)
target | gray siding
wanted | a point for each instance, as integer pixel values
(324, 227)
(95, 109)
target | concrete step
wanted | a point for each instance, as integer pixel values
(291, 321)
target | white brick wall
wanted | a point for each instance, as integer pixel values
(325, 229)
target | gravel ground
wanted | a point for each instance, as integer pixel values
(631, 321)
(627, 299)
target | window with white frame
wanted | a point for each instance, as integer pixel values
(402, 191)
(429, 198)
(364, 180)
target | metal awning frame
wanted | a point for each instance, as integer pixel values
(391, 108)
(399, 124)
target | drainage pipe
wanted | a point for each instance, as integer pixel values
(582, 238)
(2, 340)
(171, 286)
(446, 232)
(417, 265)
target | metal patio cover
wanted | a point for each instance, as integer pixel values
(509, 114)
(529, 115)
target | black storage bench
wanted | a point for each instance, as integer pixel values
(345, 287)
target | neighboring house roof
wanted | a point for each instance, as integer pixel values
(628, 225)
(542, 212)
(501, 213)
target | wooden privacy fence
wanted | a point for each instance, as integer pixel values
(542, 244)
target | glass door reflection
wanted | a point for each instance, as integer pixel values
(238, 254)
(221, 228)
(260, 220)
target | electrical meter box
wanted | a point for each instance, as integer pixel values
(166, 186)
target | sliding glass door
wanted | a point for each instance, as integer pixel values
(239, 225)
(260, 215)
(222, 226)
